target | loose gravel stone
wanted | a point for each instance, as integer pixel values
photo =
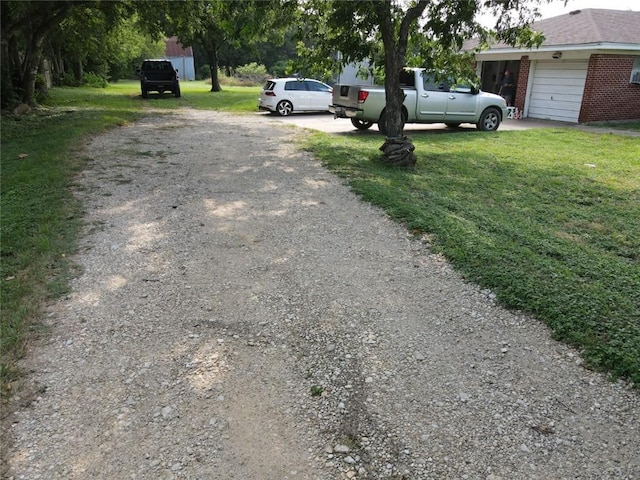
(242, 315)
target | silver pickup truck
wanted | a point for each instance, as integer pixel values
(426, 101)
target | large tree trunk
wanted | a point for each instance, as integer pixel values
(211, 49)
(78, 71)
(30, 70)
(215, 82)
(398, 149)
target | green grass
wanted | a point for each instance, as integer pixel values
(548, 219)
(195, 95)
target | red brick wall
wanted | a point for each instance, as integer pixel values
(608, 95)
(522, 79)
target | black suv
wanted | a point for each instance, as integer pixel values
(158, 76)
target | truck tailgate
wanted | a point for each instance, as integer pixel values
(347, 95)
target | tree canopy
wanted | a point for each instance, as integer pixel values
(216, 24)
(105, 37)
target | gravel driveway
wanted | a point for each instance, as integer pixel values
(242, 315)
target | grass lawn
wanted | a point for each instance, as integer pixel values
(548, 219)
(196, 95)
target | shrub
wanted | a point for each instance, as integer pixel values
(252, 72)
(94, 80)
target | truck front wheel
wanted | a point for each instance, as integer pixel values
(489, 120)
(361, 124)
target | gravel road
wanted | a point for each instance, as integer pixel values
(242, 315)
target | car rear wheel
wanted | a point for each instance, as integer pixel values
(361, 124)
(284, 108)
(489, 120)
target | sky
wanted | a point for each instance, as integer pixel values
(557, 7)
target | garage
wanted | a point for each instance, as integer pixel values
(556, 90)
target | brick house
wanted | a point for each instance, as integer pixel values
(586, 70)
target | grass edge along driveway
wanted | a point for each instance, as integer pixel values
(548, 219)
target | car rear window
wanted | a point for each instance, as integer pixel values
(157, 66)
(269, 85)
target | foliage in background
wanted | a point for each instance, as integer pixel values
(24, 30)
(252, 72)
(63, 40)
(213, 25)
(552, 226)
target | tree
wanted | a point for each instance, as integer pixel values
(25, 26)
(214, 24)
(99, 37)
(71, 34)
(427, 33)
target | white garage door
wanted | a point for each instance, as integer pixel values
(556, 90)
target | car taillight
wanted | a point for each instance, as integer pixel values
(362, 96)
(270, 94)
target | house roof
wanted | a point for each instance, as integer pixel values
(588, 27)
(175, 49)
(591, 25)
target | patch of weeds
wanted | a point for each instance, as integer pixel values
(147, 153)
(316, 390)
(351, 441)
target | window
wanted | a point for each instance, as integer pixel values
(430, 84)
(635, 71)
(407, 78)
(295, 85)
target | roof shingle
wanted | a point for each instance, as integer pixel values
(591, 25)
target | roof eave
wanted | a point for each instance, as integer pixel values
(552, 48)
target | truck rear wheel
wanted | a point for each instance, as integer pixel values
(176, 92)
(145, 93)
(382, 122)
(361, 124)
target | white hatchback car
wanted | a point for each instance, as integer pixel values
(287, 95)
